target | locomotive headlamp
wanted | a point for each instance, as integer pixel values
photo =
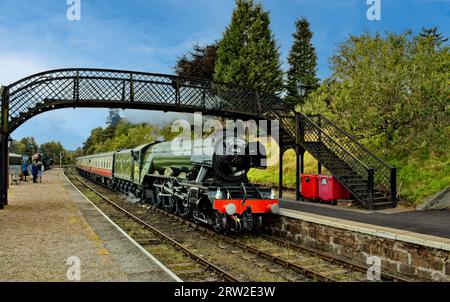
(275, 208)
(219, 194)
(230, 209)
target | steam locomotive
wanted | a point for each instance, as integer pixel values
(201, 179)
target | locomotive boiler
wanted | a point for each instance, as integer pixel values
(201, 179)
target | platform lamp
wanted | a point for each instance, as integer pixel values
(301, 91)
(10, 141)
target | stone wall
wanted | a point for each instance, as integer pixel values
(397, 257)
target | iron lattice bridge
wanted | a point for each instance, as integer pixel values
(124, 89)
(105, 88)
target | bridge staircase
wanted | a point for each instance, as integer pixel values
(369, 179)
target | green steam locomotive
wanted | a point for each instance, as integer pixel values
(201, 179)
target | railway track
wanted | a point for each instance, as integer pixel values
(284, 259)
(118, 215)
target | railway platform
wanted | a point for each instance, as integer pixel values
(405, 242)
(434, 223)
(48, 226)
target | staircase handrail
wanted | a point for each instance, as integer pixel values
(354, 141)
(333, 140)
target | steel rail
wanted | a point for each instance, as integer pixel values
(163, 236)
(251, 249)
(275, 259)
(354, 266)
(248, 248)
(328, 258)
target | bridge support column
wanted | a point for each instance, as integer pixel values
(299, 169)
(4, 171)
(4, 162)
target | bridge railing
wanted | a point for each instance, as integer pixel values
(89, 86)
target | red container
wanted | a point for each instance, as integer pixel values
(310, 188)
(330, 189)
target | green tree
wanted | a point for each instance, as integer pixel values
(247, 54)
(112, 121)
(302, 61)
(199, 63)
(166, 132)
(17, 147)
(72, 155)
(95, 138)
(30, 146)
(432, 33)
(52, 149)
(391, 91)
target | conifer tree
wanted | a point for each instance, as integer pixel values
(431, 33)
(302, 61)
(247, 54)
(112, 122)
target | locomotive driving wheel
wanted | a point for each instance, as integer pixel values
(219, 223)
(169, 202)
(157, 199)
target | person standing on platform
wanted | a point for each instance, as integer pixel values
(40, 171)
(34, 171)
(24, 170)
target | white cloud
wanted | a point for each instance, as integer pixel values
(15, 66)
(69, 126)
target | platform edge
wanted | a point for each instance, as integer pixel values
(156, 261)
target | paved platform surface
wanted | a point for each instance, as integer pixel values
(45, 224)
(433, 222)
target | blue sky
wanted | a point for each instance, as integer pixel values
(149, 35)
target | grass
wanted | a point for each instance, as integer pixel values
(420, 179)
(269, 176)
(416, 179)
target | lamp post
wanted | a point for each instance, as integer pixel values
(299, 151)
(10, 141)
(301, 91)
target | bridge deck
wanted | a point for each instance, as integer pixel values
(46, 223)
